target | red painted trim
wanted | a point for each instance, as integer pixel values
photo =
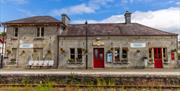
(98, 62)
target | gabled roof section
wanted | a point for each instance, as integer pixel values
(34, 20)
(113, 29)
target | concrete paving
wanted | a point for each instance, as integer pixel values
(97, 72)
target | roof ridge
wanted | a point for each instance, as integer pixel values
(35, 19)
(155, 29)
(118, 29)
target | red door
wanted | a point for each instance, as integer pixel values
(98, 56)
(158, 58)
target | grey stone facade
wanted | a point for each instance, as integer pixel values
(28, 34)
(134, 59)
(116, 45)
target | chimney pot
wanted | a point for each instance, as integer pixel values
(65, 19)
(127, 16)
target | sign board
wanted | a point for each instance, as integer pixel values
(98, 43)
(1, 45)
(26, 45)
(138, 45)
(109, 57)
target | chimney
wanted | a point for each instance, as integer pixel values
(65, 19)
(127, 16)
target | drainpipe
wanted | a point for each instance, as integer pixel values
(57, 51)
(86, 23)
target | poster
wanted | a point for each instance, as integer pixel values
(109, 57)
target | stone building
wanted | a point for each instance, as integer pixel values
(33, 38)
(104, 45)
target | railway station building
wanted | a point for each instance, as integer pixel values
(43, 41)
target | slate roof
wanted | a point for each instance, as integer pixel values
(101, 29)
(34, 20)
(113, 29)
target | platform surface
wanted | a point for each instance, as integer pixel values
(99, 72)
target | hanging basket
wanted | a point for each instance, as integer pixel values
(62, 50)
(174, 50)
(49, 51)
(8, 52)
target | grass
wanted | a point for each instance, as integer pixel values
(84, 83)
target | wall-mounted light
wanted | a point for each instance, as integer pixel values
(138, 51)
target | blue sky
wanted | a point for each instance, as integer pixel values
(154, 13)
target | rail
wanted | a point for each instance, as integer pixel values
(95, 86)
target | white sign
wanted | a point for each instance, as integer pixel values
(26, 45)
(1, 45)
(138, 45)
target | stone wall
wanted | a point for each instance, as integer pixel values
(134, 59)
(28, 34)
(117, 80)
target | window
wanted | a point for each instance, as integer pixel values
(150, 52)
(72, 53)
(150, 55)
(76, 55)
(117, 54)
(16, 32)
(40, 31)
(124, 55)
(79, 58)
(124, 52)
(165, 54)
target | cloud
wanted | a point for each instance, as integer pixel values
(84, 8)
(78, 9)
(1, 29)
(164, 19)
(178, 3)
(25, 13)
(97, 4)
(19, 2)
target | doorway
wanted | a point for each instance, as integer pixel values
(158, 58)
(98, 57)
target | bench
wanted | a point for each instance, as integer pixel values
(40, 63)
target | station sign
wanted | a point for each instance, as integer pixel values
(138, 45)
(26, 45)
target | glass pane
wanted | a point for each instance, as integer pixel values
(155, 53)
(150, 52)
(116, 54)
(96, 53)
(72, 51)
(38, 32)
(79, 51)
(124, 53)
(16, 32)
(159, 52)
(42, 31)
(73, 57)
(101, 56)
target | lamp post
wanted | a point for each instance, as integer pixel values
(2, 48)
(86, 23)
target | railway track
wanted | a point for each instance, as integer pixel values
(94, 86)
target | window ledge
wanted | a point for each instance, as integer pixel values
(75, 63)
(166, 62)
(120, 62)
(14, 38)
(39, 38)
